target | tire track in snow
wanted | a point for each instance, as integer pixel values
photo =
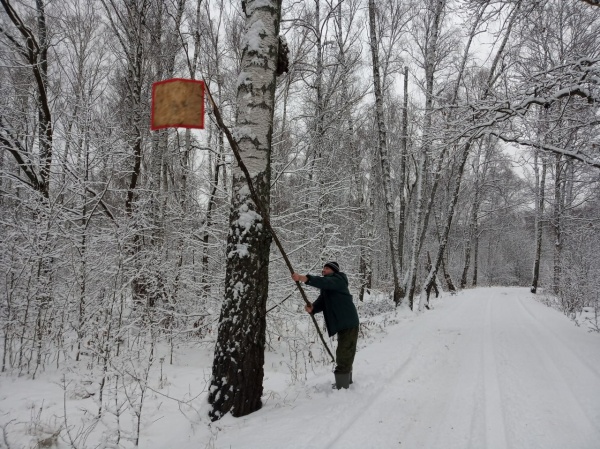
(495, 429)
(457, 416)
(503, 398)
(362, 409)
(450, 371)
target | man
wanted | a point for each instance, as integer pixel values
(341, 317)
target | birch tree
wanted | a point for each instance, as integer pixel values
(237, 375)
(434, 15)
(462, 158)
(383, 155)
(540, 201)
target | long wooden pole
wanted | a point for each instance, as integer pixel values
(260, 206)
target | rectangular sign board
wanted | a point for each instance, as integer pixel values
(177, 103)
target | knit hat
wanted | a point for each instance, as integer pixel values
(333, 265)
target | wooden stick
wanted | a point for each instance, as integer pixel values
(260, 206)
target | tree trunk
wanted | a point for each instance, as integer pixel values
(362, 203)
(383, 156)
(557, 223)
(423, 222)
(475, 255)
(446, 231)
(447, 278)
(540, 184)
(209, 218)
(472, 221)
(402, 175)
(454, 198)
(237, 374)
(129, 22)
(366, 254)
(430, 59)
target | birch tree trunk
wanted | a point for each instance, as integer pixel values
(237, 374)
(442, 156)
(383, 156)
(430, 59)
(402, 174)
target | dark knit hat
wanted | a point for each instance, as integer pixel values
(333, 265)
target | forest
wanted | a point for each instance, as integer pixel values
(423, 145)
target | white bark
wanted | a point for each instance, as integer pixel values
(236, 384)
(430, 59)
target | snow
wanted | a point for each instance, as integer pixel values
(257, 4)
(241, 249)
(488, 368)
(243, 79)
(253, 39)
(247, 218)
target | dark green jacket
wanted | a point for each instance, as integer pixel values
(335, 301)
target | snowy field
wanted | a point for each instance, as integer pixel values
(488, 368)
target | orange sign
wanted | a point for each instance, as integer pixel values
(177, 103)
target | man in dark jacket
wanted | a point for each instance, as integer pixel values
(341, 317)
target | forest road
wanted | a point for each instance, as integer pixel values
(490, 368)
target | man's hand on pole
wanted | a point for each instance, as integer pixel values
(299, 277)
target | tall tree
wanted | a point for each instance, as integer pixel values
(382, 147)
(34, 51)
(540, 193)
(32, 48)
(237, 375)
(435, 11)
(486, 90)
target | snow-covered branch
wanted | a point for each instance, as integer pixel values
(575, 154)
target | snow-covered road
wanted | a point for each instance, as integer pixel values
(488, 368)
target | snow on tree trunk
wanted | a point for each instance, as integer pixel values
(237, 375)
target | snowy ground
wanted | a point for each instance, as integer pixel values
(488, 368)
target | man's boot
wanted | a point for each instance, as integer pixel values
(342, 380)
